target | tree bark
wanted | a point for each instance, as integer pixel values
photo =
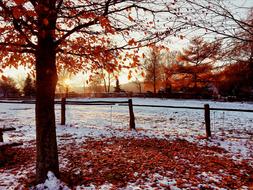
(154, 76)
(46, 79)
(251, 65)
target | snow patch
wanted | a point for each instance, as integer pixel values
(51, 183)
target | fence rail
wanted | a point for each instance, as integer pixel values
(69, 102)
(125, 103)
(193, 108)
(129, 103)
(96, 102)
(230, 109)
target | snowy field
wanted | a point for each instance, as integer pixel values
(232, 131)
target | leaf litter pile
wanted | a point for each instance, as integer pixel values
(121, 161)
(143, 163)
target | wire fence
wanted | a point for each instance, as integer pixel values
(158, 117)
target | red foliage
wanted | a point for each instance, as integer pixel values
(235, 79)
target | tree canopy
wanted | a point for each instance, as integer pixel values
(81, 31)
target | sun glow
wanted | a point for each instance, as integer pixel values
(67, 82)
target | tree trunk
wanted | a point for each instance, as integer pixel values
(5, 94)
(154, 80)
(155, 61)
(195, 81)
(46, 79)
(140, 87)
(154, 86)
(109, 83)
(105, 86)
(251, 66)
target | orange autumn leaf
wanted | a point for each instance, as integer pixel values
(130, 18)
(104, 22)
(16, 13)
(89, 15)
(31, 13)
(19, 2)
(131, 42)
(4, 78)
(45, 22)
(181, 37)
(180, 58)
(120, 67)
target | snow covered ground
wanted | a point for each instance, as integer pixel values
(232, 131)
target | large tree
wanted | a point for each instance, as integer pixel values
(71, 34)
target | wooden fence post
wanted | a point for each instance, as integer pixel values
(131, 114)
(1, 136)
(207, 120)
(63, 111)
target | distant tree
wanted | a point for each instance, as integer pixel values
(198, 59)
(233, 80)
(107, 79)
(107, 76)
(153, 66)
(108, 70)
(29, 87)
(170, 69)
(236, 76)
(8, 87)
(241, 52)
(138, 84)
(95, 84)
(117, 87)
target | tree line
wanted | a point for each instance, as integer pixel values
(203, 69)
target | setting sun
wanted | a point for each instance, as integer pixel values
(67, 82)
